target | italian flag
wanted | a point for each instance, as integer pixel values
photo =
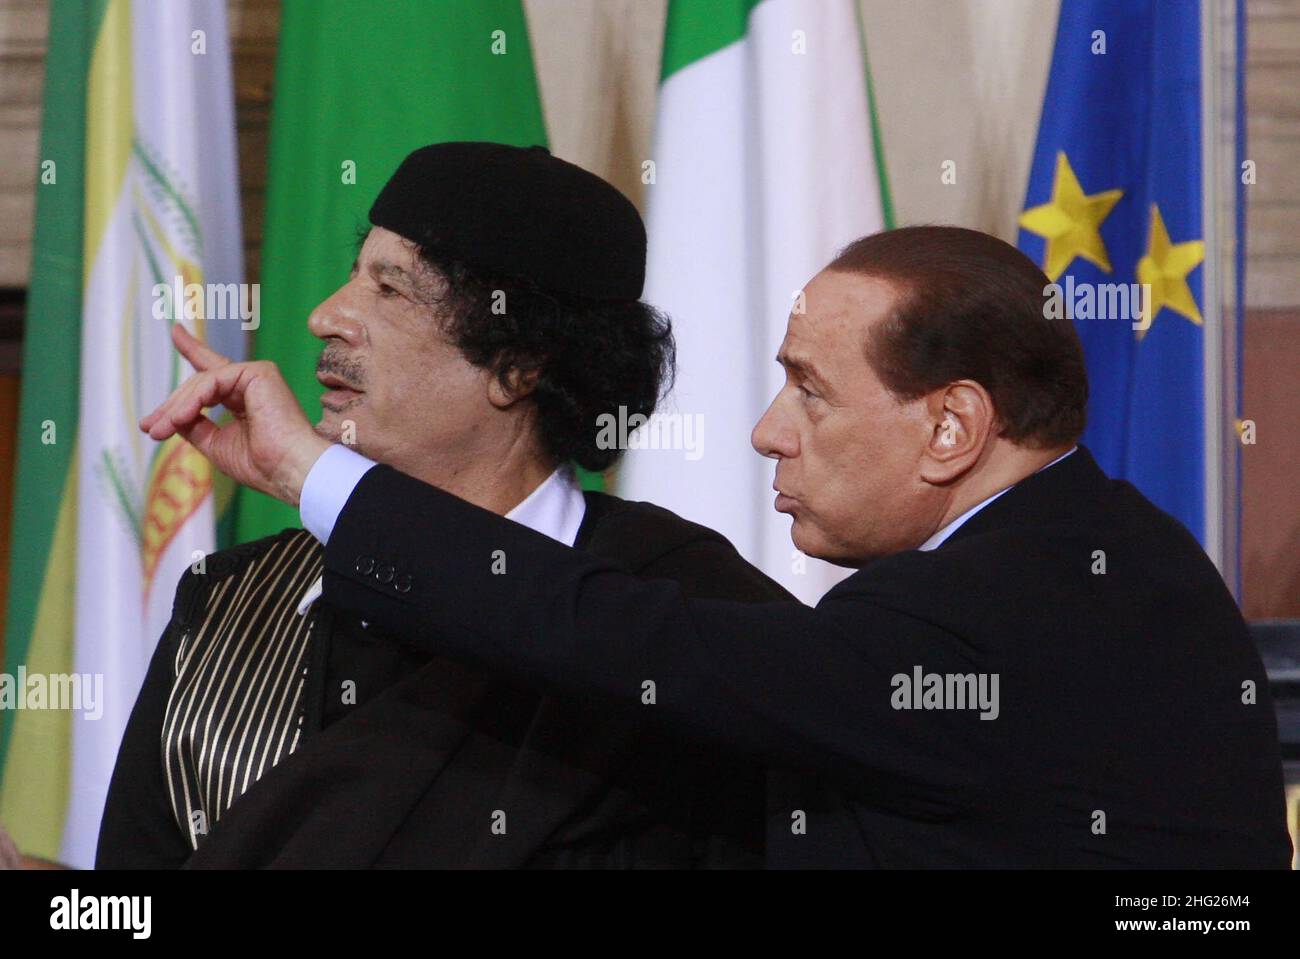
(765, 163)
(136, 191)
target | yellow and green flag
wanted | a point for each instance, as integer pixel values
(136, 195)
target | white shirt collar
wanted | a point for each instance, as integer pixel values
(556, 508)
(937, 540)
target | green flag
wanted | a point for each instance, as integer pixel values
(358, 86)
(42, 570)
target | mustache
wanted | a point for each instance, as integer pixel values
(338, 363)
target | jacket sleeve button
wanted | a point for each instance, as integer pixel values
(385, 573)
(365, 565)
(403, 584)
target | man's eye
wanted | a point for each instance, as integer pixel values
(807, 393)
(386, 290)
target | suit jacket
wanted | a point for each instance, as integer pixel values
(429, 762)
(1131, 727)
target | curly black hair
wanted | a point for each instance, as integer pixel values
(588, 356)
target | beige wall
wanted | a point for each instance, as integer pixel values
(22, 59)
(1270, 553)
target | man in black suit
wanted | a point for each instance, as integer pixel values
(1032, 666)
(472, 346)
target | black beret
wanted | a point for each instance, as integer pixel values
(521, 212)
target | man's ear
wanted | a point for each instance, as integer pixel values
(961, 416)
(517, 384)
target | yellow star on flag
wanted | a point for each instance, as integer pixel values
(1164, 271)
(1071, 221)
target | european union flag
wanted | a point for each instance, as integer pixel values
(1114, 210)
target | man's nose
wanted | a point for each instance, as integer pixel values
(337, 318)
(772, 437)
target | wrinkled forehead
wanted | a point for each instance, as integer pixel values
(836, 313)
(376, 241)
(389, 256)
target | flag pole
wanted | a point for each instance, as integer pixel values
(1220, 363)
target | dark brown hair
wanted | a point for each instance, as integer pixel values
(970, 306)
(589, 356)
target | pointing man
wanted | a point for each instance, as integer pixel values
(926, 435)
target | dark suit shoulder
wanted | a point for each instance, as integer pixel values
(1095, 553)
(656, 543)
(233, 561)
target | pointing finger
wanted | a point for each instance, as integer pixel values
(179, 408)
(201, 356)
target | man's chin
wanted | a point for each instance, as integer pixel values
(818, 547)
(337, 427)
(805, 542)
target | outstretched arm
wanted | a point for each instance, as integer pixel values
(792, 685)
(795, 686)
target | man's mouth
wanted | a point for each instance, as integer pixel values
(784, 502)
(338, 391)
